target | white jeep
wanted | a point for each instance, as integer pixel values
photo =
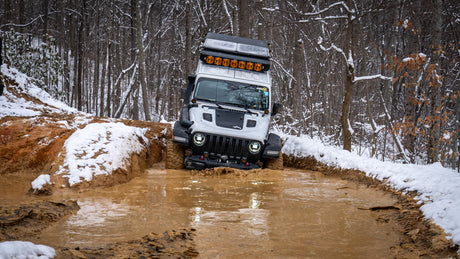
(225, 119)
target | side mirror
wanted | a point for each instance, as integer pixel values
(189, 89)
(276, 108)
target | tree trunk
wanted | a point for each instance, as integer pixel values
(45, 16)
(104, 73)
(188, 25)
(135, 96)
(97, 62)
(243, 18)
(349, 83)
(79, 93)
(109, 80)
(435, 129)
(141, 60)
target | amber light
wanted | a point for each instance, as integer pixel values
(226, 62)
(209, 59)
(218, 61)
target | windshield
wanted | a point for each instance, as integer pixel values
(226, 92)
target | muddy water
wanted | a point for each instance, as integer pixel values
(288, 213)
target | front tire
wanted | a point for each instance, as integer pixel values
(174, 156)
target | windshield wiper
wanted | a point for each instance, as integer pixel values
(246, 108)
(234, 104)
(204, 99)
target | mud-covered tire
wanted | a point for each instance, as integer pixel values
(275, 163)
(174, 156)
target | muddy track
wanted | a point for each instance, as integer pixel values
(419, 237)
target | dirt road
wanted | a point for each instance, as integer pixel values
(258, 214)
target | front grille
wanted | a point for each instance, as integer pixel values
(234, 148)
(221, 145)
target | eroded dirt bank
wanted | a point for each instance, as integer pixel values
(34, 146)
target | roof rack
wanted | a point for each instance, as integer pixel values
(236, 45)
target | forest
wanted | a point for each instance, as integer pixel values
(377, 77)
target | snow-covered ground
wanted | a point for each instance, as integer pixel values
(438, 188)
(25, 250)
(114, 142)
(11, 105)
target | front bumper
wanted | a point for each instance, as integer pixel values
(200, 162)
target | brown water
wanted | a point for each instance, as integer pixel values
(290, 213)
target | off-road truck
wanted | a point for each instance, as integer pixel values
(225, 118)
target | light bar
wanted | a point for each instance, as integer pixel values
(233, 63)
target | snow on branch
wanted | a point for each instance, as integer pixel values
(284, 70)
(333, 17)
(23, 25)
(362, 78)
(334, 47)
(345, 6)
(124, 71)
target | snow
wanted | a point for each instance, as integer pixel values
(437, 188)
(100, 148)
(40, 181)
(362, 78)
(25, 250)
(12, 105)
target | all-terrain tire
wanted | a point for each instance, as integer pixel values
(174, 156)
(275, 163)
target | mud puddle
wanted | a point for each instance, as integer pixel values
(264, 214)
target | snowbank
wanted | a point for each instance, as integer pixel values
(12, 105)
(100, 148)
(21, 249)
(438, 188)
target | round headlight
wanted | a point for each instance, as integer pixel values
(254, 147)
(199, 139)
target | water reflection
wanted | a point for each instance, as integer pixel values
(255, 203)
(97, 213)
(197, 212)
